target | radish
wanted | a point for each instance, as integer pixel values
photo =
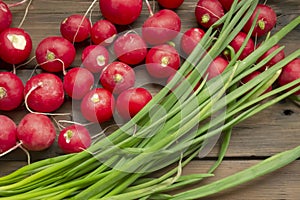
(11, 91)
(117, 77)
(15, 45)
(103, 32)
(226, 4)
(266, 20)
(190, 39)
(161, 27)
(251, 76)
(98, 105)
(8, 134)
(162, 61)
(121, 12)
(73, 139)
(55, 54)
(237, 42)
(130, 48)
(78, 82)
(170, 4)
(207, 12)
(5, 16)
(278, 57)
(95, 58)
(36, 132)
(75, 28)
(131, 101)
(216, 67)
(44, 92)
(289, 73)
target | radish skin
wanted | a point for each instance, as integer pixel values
(8, 133)
(36, 132)
(94, 58)
(5, 16)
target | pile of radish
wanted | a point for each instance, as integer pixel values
(105, 83)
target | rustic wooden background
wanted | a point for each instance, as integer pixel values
(271, 131)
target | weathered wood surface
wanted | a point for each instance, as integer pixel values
(274, 130)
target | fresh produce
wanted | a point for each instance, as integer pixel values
(78, 82)
(170, 4)
(217, 66)
(74, 138)
(237, 43)
(55, 54)
(44, 93)
(161, 27)
(252, 76)
(208, 12)
(180, 122)
(36, 132)
(11, 91)
(94, 58)
(98, 105)
(121, 12)
(131, 101)
(15, 45)
(266, 20)
(190, 39)
(290, 72)
(75, 28)
(103, 32)
(5, 16)
(130, 48)
(162, 61)
(8, 133)
(117, 77)
(278, 57)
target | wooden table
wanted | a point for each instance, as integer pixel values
(274, 130)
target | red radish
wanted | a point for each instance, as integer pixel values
(15, 45)
(78, 82)
(237, 42)
(98, 105)
(278, 57)
(75, 28)
(11, 91)
(208, 12)
(162, 61)
(5, 16)
(161, 27)
(54, 54)
(121, 12)
(74, 138)
(226, 4)
(103, 32)
(170, 4)
(8, 133)
(182, 79)
(190, 39)
(266, 20)
(117, 77)
(36, 132)
(130, 48)
(252, 76)
(289, 73)
(216, 67)
(131, 101)
(44, 92)
(95, 58)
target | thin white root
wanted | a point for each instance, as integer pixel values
(26, 12)
(40, 84)
(55, 59)
(104, 130)
(27, 154)
(149, 7)
(26, 63)
(72, 122)
(11, 149)
(85, 14)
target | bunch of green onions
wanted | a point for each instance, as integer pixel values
(175, 127)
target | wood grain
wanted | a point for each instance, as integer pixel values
(273, 130)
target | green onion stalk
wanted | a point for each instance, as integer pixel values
(181, 122)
